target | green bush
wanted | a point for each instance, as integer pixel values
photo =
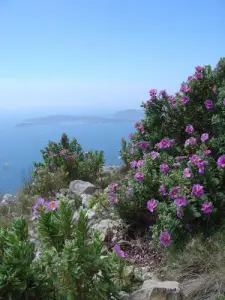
(18, 278)
(177, 160)
(68, 156)
(71, 264)
(47, 183)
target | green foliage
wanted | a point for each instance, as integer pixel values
(165, 131)
(100, 202)
(68, 159)
(220, 298)
(18, 279)
(47, 183)
(72, 263)
(105, 178)
(55, 227)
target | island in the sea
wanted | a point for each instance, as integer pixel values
(130, 115)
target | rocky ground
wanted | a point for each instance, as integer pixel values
(138, 251)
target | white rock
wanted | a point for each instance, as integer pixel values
(105, 225)
(86, 199)
(156, 290)
(91, 214)
(80, 187)
(8, 199)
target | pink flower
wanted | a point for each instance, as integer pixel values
(187, 173)
(130, 137)
(139, 126)
(113, 186)
(198, 75)
(148, 104)
(189, 129)
(154, 155)
(164, 168)
(209, 104)
(118, 251)
(207, 208)
(153, 93)
(204, 137)
(221, 161)
(184, 88)
(199, 68)
(179, 214)
(176, 165)
(224, 101)
(201, 166)
(174, 192)
(133, 164)
(180, 201)
(143, 144)
(190, 141)
(165, 143)
(190, 78)
(139, 176)
(185, 99)
(180, 157)
(140, 163)
(63, 151)
(165, 238)
(162, 92)
(207, 152)
(195, 159)
(162, 190)
(197, 190)
(52, 205)
(51, 165)
(39, 207)
(151, 205)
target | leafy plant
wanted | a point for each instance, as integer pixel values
(18, 279)
(71, 264)
(47, 183)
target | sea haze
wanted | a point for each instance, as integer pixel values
(23, 137)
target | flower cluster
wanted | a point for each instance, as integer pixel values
(42, 206)
(165, 143)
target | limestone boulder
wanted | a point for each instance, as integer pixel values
(80, 187)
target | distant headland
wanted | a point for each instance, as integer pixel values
(124, 116)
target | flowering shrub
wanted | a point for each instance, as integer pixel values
(177, 160)
(69, 156)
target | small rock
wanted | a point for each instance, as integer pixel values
(129, 271)
(110, 169)
(80, 187)
(124, 295)
(156, 290)
(91, 214)
(104, 226)
(8, 199)
(86, 199)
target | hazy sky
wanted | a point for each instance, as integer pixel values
(103, 53)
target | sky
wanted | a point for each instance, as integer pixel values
(102, 54)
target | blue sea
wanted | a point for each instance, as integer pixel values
(20, 146)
